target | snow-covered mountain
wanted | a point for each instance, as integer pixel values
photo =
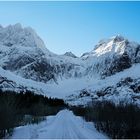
(70, 54)
(24, 53)
(112, 55)
(26, 63)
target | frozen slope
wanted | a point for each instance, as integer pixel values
(65, 125)
(67, 87)
(114, 88)
(73, 86)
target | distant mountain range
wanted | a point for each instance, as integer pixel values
(111, 71)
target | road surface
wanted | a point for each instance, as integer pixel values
(65, 125)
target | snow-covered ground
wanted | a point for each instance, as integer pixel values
(65, 125)
(67, 87)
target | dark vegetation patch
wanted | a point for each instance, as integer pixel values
(23, 108)
(119, 122)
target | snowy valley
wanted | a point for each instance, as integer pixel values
(25, 60)
(110, 72)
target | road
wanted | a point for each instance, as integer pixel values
(65, 125)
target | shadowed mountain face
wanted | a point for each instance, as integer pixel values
(70, 54)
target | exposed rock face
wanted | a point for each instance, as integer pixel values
(5, 83)
(128, 86)
(126, 91)
(117, 65)
(70, 54)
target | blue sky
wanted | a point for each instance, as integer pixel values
(74, 26)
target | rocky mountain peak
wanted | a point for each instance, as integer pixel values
(70, 54)
(118, 38)
(17, 35)
(17, 26)
(116, 44)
